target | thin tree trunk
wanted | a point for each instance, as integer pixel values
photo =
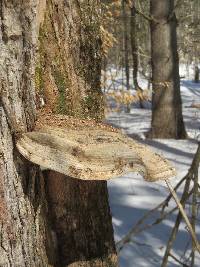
(134, 48)
(196, 19)
(167, 119)
(196, 74)
(125, 47)
(125, 37)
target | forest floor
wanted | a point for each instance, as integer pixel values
(131, 197)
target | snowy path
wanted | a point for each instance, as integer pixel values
(131, 197)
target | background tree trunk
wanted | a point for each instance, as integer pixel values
(196, 53)
(55, 221)
(196, 74)
(134, 47)
(167, 119)
(125, 48)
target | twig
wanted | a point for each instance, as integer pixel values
(175, 258)
(175, 189)
(176, 226)
(189, 177)
(184, 215)
(136, 229)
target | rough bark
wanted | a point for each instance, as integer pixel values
(167, 119)
(69, 61)
(27, 235)
(69, 77)
(80, 221)
(23, 232)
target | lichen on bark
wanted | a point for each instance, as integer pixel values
(80, 211)
(70, 47)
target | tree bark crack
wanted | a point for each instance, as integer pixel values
(4, 35)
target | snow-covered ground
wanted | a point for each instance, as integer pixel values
(131, 197)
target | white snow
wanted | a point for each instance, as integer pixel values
(130, 197)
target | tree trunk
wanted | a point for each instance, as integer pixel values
(81, 219)
(196, 74)
(167, 119)
(134, 47)
(196, 19)
(70, 58)
(125, 47)
(51, 221)
(24, 231)
(125, 40)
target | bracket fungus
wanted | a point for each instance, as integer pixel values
(92, 154)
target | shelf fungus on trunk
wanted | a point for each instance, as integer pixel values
(92, 154)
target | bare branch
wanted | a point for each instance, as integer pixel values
(177, 260)
(184, 215)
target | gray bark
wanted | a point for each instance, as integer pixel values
(23, 235)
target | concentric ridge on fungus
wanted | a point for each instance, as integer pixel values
(92, 153)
